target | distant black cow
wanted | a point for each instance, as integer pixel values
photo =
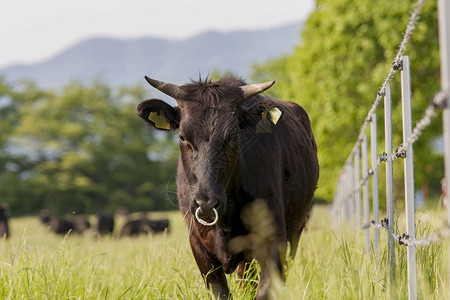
(105, 223)
(56, 224)
(144, 226)
(60, 225)
(4, 229)
(159, 225)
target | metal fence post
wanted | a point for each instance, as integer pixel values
(351, 196)
(366, 207)
(444, 47)
(374, 156)
(389, 179)
(409, 177)
(345, 194)
(357, 185)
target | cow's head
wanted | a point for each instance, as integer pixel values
(210, 117)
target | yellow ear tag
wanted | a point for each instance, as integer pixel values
(160, 120)
(264, 126)
(275, 115)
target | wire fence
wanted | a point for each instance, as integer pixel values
(348, 205)
(395, 67)
(405, 240)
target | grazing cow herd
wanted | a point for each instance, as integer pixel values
(80, 224)
(104, 224)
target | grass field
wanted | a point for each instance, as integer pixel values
(331, 264)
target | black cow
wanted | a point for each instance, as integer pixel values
(238, 147)
(58, 225)
(144, 226)
(4, 228)
(160, 225)
(105, 223)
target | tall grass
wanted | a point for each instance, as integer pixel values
(331, 263)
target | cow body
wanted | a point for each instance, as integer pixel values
(4, 228)
(105, 223)
(58, 225)
(235, 152)
(144, 226)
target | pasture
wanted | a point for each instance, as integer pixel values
(331, 264)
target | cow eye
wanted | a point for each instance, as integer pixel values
(181, 138)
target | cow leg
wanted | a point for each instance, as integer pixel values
(241, 274)
(293, 246)
(294, 242)
(211, 270)
(271, 269)
(268, 270)
(216, 280)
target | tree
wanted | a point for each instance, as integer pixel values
(345, 53)
(85, 150)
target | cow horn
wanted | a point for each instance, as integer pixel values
(250, 90)
(170, 89)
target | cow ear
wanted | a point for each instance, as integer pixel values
(261, 118)
(159, 114)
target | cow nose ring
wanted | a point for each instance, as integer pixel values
(203, 222)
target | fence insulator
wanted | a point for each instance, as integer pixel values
(400, 153)
(438, 100)
(403, 239)
(383, 157)
(398, 65)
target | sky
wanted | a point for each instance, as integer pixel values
(35, 30)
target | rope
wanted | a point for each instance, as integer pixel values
(405, 240)
(438, 101)
(396, 65)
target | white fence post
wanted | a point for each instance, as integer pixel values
(374, 156)
(409, 177)
(366, 207)
(357, 180)
(350, 194)
(444, 46)
(345, 194)
(389, 179)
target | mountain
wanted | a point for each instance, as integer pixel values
(125, 62)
